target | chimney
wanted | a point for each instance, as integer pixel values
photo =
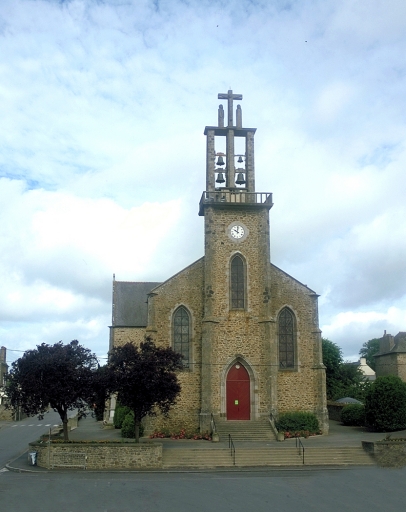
(3, 354)
(386, 343)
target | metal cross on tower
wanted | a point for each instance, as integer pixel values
(230, 97)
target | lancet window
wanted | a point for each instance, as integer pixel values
(237, 274)
(286, 328)
(181, 334)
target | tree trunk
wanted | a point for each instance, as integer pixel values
(65, 426)
(137, 430)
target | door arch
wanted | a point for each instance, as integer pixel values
(238, 393)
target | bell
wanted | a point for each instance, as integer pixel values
(240, 179)
(240, 160)
(220, 177)
(220, 160)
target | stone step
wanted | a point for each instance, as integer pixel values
(259, 430)
(328, 456)
(246, 457)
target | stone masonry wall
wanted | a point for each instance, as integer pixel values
(123, 335)
(391, 364)
(302, 388)
(100, 456)
(240, 334)
(183, 289)
(248, 335)
(5, 414)
(237, 334)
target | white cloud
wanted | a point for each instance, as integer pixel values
(103, 106)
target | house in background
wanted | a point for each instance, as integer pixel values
(391, 358)
(366, 370)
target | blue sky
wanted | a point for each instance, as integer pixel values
(103, 106)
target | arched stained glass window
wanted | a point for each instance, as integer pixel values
(286, 324)
(237, 283)
(181, 334)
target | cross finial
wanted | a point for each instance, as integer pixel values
(230, 97)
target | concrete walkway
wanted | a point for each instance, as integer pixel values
(340, 436)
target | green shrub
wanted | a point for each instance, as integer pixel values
(298, 421)
(385, 404)
(353, 415)
(120, 413)
(128, 428)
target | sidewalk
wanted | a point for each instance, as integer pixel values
(89, 429)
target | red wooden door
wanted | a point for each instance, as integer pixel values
(238, 393)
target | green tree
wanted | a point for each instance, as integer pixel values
(368, 350)
(145, 379)
(56, 375)
(332, 359)
(100, 390)
(342, 378)
(385, 404)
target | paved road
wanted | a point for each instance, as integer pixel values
(15, 436)
(355, 490)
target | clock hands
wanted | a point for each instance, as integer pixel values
(237, 231)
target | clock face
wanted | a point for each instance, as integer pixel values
(237, 231)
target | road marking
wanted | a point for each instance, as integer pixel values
(3, 470)
(39, 425)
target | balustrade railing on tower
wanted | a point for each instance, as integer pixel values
(236, 197)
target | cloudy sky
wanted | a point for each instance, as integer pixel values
(102, 163)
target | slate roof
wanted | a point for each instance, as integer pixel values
(400, 342)
(130, 303)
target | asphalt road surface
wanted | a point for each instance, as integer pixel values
(15, 436)
(355, 490)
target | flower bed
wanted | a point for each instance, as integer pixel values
(182, 434)
(301, 433)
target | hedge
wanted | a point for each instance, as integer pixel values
(298, 421)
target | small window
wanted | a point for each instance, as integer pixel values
(181, 334)
(286, 324)
(237, 283)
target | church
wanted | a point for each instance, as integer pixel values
(247, 330)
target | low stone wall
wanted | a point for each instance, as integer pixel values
(6, 414)
(99, 455)
(387, 453)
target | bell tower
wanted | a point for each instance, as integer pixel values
(237, 323)
(238, 173)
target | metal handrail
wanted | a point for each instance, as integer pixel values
(301, 448)
(213, 427)
(232, 448)
(272, 422)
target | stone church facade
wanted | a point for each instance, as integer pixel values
(248, 331)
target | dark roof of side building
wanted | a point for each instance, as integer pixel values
(400, 342)
(130, 303)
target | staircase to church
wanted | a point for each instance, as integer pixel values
(258, 430)
(274, 455)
